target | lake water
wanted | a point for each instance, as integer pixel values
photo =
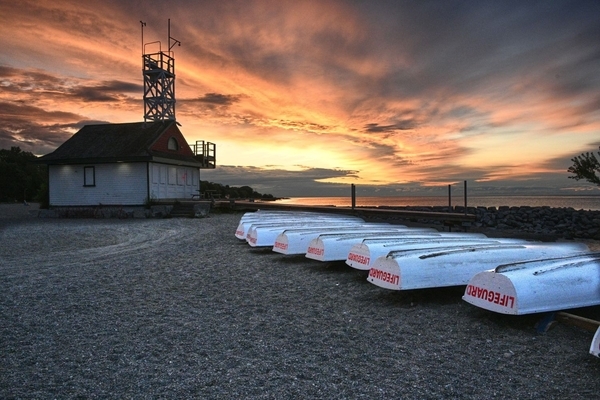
(576, 202)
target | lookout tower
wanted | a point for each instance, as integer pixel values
(159, 79)
(158, 69)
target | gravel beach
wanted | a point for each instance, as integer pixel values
(180, 308)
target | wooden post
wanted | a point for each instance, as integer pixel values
(353, 193)
(465, 197)
(449, 206)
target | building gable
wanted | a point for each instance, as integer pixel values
(161, 145)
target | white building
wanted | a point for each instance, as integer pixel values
(123, 164)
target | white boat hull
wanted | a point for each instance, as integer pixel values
(266, 235)
(363, 255)
(454, 266)
(243, 228)
(274, 215)
(542, 285)
(595, 347)
(335, 247)
(295, 242)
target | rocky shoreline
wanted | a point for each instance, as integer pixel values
(557, 223)
(566, 223)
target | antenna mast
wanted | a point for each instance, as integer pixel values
(175, 41)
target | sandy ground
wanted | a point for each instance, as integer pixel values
(17, 211)
(179, 308)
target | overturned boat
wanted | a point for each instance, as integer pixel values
(363, 255)
(290, 219)
(295, 241)
(456, 265)
(595, 347)
(335, 246)
(542, 285)
(260, 235)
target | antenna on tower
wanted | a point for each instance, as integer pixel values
(175, 41)
(143, 25)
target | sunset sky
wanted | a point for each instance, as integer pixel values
(304, 98)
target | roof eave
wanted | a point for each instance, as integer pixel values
(172, 161)
(92, 160)
(110, 160)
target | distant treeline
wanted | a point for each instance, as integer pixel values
(20, 178)
(232, 192)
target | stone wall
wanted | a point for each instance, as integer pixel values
(563, 222)
(122, 212)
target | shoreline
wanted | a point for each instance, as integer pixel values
(17, 211)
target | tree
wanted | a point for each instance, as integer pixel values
(586, 166)
(20, 178)
(234, 192)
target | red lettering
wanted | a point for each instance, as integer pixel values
(491, 296)
(479, 292)
(359, 258)
(384, 276)
(280, 245)
(315, 251)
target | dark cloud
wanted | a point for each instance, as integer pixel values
(40, 84)
(105, 91)
(218, 99)
(22, 112)
(29, 75)
(273, 174)
(379, 128)
(34, 129)
(400, 126)
(279, 182)
(34, 137)
(92, 94)
(28, 81)
(284, 183)
(6, 71)
(466, 47)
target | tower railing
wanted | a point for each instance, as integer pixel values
(206, 153)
